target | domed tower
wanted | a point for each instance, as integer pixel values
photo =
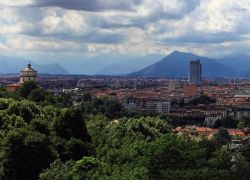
(28, 74)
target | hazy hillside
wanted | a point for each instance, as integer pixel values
(129, 65)
(239, 62)
(176, 65)
(14, 65)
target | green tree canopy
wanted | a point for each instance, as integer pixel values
(27, 88)
(70, 123)
(24, 154)
(25, 109)
(227, 122)
(58, 171)
(221, 138)
(204, 99)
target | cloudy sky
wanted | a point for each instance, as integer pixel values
(43, 29)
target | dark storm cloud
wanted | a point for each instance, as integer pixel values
(88, 5)
(95, 37)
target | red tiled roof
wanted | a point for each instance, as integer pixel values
(14, 85)
(232, 132)
(236, 132)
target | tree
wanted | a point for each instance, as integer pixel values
(227, 122)
(240, 168)
(243, 122)
(51, 112)
(204, 99)
(149, 127)
(112, 108)
(27, 88)
(70, 123)
(25, 109)
(178, 157)
(25, 154)
(209, 147)
(246, 152)
(221, 159)
(75, 149)
(38, 95)
(40, 126)
(87, 97)
(87, 168)
(9, 122)
(3, 92)
(4, 103)
(72, 140)
(221, 138)
(58, 171)
(173, 154)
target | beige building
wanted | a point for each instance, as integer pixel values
(28, 74)
(158, 106)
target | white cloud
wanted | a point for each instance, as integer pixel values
(42, 44)
(69, 22)
(129, 26)
(16, 2)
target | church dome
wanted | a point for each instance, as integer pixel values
(28, 74)
(29, 69)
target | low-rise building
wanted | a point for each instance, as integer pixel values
(13, 87)
(26, 75)
(190, 90)
(158, 106)
(210, 120)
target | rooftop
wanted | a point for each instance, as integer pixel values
(29, 68)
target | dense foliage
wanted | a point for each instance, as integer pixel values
(45, 137)
(202, 100)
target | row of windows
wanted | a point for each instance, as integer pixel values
(29, 74)
(23, 79)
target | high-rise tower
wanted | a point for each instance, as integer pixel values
(195, 72)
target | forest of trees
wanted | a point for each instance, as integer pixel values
(45, 137)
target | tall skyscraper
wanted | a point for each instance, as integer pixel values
(195, 72)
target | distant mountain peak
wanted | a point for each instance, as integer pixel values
(175, 52)
(14, 65)
(176, 65)
(181, 53)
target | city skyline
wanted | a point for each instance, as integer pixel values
(61, 31)
(124, 89)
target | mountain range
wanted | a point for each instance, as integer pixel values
(173, 65)
(127, 66)
(176, 65)
(14, 65)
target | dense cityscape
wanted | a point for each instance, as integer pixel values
(192, 107)
(124, 90)
(203, 103)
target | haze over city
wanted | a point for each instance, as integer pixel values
(88, 36)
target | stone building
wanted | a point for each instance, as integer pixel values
(28, 74)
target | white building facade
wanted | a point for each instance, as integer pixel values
(158, 106)
(28, 74)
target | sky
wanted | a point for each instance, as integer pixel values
(71, 29)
